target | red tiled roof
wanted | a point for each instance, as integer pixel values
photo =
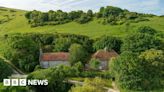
(104, 55)
(58, 56)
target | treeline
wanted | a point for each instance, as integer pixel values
(24, 48)
(106, 15)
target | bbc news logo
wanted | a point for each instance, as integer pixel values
(24, 82)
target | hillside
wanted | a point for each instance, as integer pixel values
(110, 50)
(14, 21)
(19, 23)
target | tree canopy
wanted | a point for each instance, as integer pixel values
(139, 72)
(140, 42)
(107, 15)
(77, 54)
(108, 42)
(5, 70)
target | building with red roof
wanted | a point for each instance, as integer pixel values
(53, 59)
(104, 56)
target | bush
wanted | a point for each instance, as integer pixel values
(94, 64)
(141, 42)
(5, 70)
(92, 74)
(77, 53)
(143, 73)
(108, 42)
(147, 29)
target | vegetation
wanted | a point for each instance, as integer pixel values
(94, 64)
(62, 44)
(5, 70)
(154, 65)
(56, 77)
(24, 52)
(13, 89)
(147, 29)
(108, 15)
(138, 68)
(108, 42)
(144, 73)
(141, 42)
(95, 85)
(77, 54)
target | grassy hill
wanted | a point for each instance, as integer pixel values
(14, 21)
(19, 24)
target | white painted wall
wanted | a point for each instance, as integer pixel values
(46, 64)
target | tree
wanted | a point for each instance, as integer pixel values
(108, 42)
(140, 42)
(139, 72)
(77, 53)
(62, 44)
(128, 71)
(147, 29)
(57, 79)
(24, 52)
(90, 13)
(154, 67)
(5, 70)
(94, 64)
(110, 10)
(84, 19)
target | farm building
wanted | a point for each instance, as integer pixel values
(53, 59)
(104, 56)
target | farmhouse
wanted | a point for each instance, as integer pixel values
(61, 58)
(104, 57)
(53, 59)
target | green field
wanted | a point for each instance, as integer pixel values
(17, 23)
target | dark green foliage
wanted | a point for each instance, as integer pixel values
(108, 42)
(90, 13)
(110, 10)
(112, 15)
(154, 68)
(47, 48)
(84, 19)
(94, 64)
(24, 48)
(93, 74)
(13, 89)
(128, 71)
(77, 54)
(5, 70)
(141, 42)
(147, 29)
(56, 79)
(62, 44)
(24, 52)
(131, 15)
(141, 73)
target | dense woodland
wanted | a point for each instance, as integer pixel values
(106, 15)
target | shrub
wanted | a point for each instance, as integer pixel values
(5, 70)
